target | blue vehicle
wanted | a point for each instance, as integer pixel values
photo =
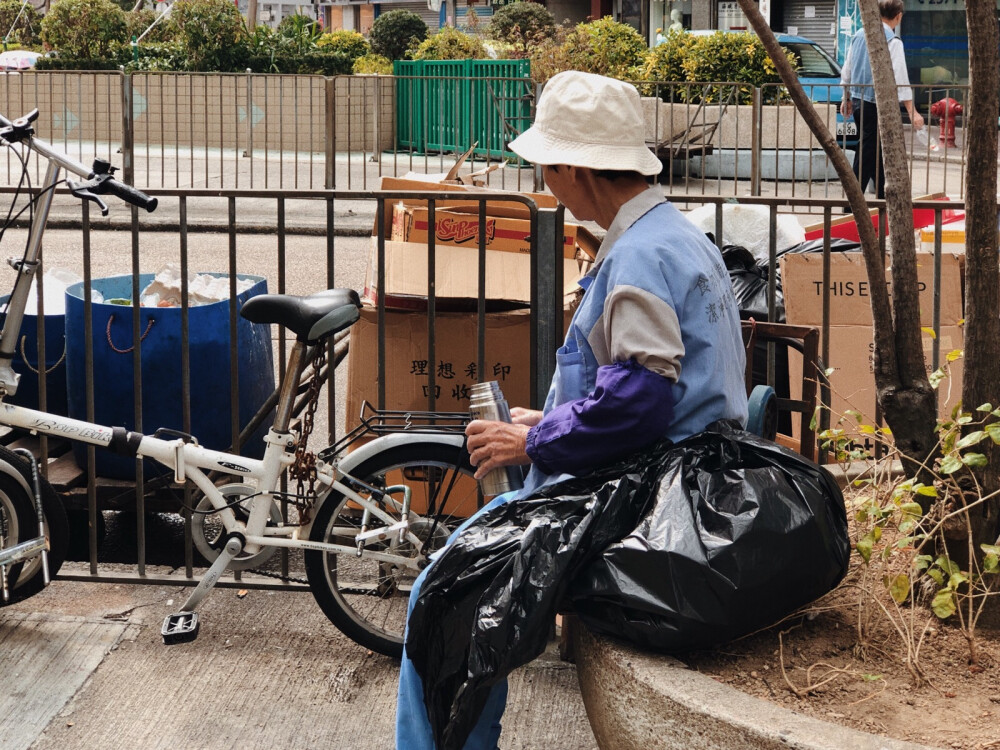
(819, 75)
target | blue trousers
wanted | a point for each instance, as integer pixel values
(413, 728)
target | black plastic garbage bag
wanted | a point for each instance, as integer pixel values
(488, 602)
(749, 280)
(742, 532)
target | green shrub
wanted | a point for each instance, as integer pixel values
(158, 56)
(739, 58)
(351, 43)
(212, 32)
(393, 32)
(450, 44)
(522, 24)
(368, 64)
(309, 63)
(28, 29)
(606, 47)
(549, 56)
(666, 61)
(84, 29)
(111, 62)
(141, 20)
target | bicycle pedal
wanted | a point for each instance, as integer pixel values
(180, 627)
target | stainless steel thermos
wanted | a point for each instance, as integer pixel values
(487, 402)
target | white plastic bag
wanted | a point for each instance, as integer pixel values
(55, 281)
(747, 226)
(921, 141)
(203, 289)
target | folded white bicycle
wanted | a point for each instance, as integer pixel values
(367, 520)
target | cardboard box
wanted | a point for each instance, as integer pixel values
(456, 277)
(952, 239)
(507, 359)
(802, 287)
(460, 227)
(845, 227)
(852, 383)
(505, 204)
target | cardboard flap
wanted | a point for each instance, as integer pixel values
(508, 275)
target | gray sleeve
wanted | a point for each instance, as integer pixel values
(637, 324)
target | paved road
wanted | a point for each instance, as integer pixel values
(84, 669)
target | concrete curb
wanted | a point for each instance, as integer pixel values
(637, 700)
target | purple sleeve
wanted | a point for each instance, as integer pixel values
(630, 408)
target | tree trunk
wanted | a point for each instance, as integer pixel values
(904, 393)
(981, 381)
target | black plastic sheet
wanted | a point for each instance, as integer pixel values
(719, 535)
(488, 602)
(742, 533)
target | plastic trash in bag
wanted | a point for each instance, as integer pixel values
(742, 533)
(203, 289)
(488, 602)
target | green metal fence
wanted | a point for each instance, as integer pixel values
(449, 105)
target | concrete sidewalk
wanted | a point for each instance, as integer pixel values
(84, 668)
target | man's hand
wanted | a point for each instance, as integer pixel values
(846, 108)
(494, 444)
(530, 417)
(918, 120)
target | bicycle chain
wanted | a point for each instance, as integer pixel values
(304, 468)
(269, 574)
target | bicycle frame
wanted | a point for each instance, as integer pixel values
(190, 461)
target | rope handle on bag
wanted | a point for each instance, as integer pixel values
(28, 364)
(111, 319)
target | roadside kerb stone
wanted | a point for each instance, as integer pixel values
(638, 700)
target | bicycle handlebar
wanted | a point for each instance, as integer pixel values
(127, 193)
(99, 180)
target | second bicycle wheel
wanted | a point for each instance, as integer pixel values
(367, 598)
(19, 523)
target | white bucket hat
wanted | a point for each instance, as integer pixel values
(586, 120)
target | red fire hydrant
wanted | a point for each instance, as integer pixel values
(946, 110)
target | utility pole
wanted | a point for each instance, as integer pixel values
(251, 14)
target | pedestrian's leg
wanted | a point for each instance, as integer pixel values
(859, 125)
(413, 728)
(867, 157)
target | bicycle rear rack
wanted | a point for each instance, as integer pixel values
(380, 422)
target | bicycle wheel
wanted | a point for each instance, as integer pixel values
(366, 598)
(19, 523)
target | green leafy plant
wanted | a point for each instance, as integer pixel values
(84, 28)
(450, 44)
(522, 23)
(606, 47)
(212, 32)
(393, 33)
(904, 526)
(372, 64)
(298, 35)
(351, 43)
(27, 31)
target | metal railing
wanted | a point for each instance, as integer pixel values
(248, 132)
(301, 264)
